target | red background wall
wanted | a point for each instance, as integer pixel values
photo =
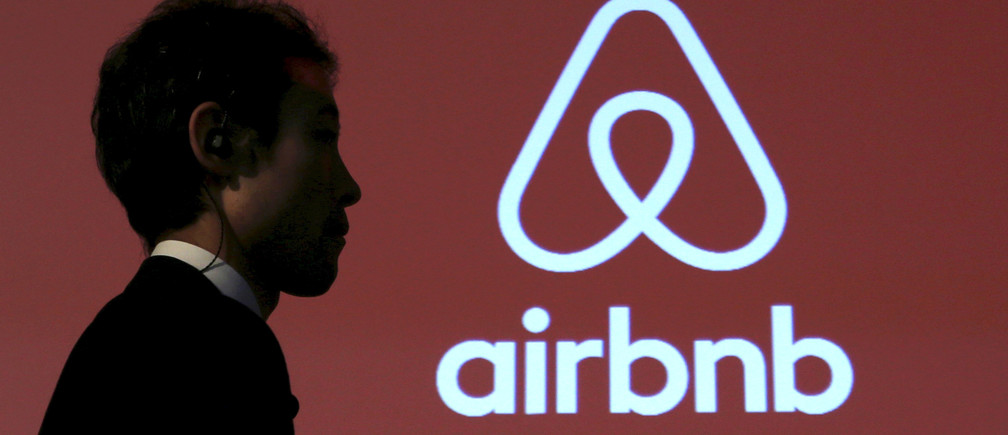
(884, 121)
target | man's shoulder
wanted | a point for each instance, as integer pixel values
(171, 336)
(171, 310)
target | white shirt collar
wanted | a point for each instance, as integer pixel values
(223, 276)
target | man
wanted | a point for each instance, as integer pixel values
(216, 128)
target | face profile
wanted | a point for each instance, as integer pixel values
(290, 219)
(227, 164)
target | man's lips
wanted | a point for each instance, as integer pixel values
(338, 227)
(336, 223)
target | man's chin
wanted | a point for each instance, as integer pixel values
(307, 293)
(298, 269)
(310, 286)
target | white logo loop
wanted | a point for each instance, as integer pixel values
(642, 215)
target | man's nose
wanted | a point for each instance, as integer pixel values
(351, 192)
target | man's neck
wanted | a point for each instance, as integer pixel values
(206, 233)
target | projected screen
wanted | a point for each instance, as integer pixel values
(633, 216)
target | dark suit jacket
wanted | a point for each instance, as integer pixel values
(172, 354)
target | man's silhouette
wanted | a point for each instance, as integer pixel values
(216, 128)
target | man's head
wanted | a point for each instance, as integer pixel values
(229, 100)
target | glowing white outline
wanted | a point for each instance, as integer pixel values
(638, 211)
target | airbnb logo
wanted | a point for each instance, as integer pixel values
(641, 214)
(623, 351)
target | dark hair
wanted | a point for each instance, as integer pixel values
(185, 53)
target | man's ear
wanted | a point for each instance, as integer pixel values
(210, 140)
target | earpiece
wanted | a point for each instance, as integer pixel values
(218, 143)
